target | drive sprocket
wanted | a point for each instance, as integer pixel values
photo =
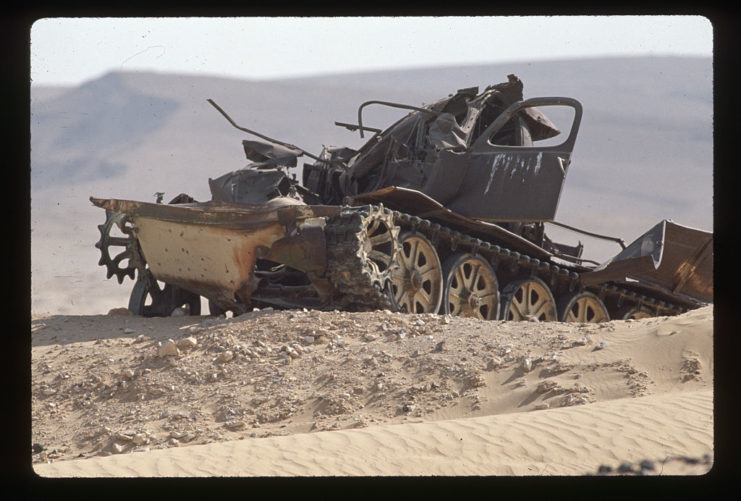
(117, 245)
(362, 251)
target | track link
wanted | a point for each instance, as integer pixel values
(361, 283)
(559, 276)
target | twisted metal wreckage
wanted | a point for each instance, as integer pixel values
(443, 211)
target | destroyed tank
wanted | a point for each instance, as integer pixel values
(442, 212)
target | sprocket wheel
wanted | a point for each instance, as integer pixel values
(118, 244)
(362, 250)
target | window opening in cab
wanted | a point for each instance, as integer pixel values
(523, 129)
(514, 133)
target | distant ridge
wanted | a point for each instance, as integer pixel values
(644, 151)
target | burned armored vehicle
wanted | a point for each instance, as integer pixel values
(442, 212)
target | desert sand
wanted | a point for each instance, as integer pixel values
(309, 393)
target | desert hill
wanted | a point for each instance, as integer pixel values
(644, 153)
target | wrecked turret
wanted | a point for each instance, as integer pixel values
(442, 212)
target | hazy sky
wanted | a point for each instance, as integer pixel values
(68, 51)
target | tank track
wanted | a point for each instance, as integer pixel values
(558, 277)
(360, 286)
(359, 289)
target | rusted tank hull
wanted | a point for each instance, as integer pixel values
(211, 249)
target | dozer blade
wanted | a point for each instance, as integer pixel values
(669, 256)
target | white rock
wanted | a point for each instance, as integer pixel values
(234, 425)
(527, 364)
(224, 356)
(187, 343)
(140, 439)
(117, 448)
(180, 312)
(168, 349)
(493, 363)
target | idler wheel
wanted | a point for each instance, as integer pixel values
(528, 299)
(417, 282)
(633, 312)
(471, 288)
(583, 307)
(150, 299)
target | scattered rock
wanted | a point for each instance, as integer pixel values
(546, 386)
(235, 425)
(493, 363)
(476, 381)
(224, 356)
(527, 364)
(183, 311)
(140, 439)
(187, 343)
(281, 379)
(168, 349)
(120, 311)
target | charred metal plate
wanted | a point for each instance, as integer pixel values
(201, 258)
(512, 186)
(211, 248)
(675, 258)
(415, 202)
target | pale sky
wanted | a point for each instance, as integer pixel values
(69, 51)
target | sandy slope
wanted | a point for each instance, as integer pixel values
(370, 394)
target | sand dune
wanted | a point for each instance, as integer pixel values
(643, 394)
(569, 441)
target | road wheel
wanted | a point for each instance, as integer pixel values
(149, 298)
(582, 307)
(471, 288)
(417, 282)
(528, 299)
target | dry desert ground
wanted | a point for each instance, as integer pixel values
(310, 393)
